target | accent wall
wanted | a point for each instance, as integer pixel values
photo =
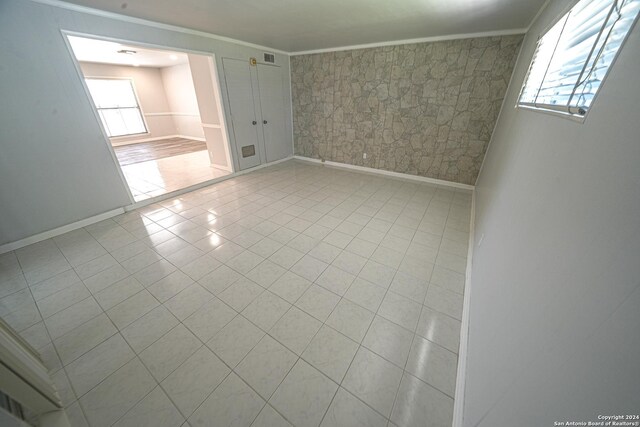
(424, 109)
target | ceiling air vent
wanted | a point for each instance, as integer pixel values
(270, 58)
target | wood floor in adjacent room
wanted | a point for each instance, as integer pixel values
(155, 150)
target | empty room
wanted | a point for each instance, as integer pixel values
(151, 113)
(352, 213)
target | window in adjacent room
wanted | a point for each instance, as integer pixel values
(572, 58)
(117, 105)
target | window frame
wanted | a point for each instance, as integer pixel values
(138, 106)
(548, 109)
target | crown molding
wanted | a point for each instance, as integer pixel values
(139, 21)
(418, 40)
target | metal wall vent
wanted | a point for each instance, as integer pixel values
(270, 58)
(248, 151)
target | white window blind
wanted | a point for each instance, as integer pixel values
(117, 106)
(573, 57)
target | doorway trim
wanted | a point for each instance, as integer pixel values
(215, 80)
(23, 374)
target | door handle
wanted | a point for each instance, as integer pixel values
(264, 122)
(254, 123)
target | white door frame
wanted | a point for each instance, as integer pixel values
(216, 82)
(23, 376)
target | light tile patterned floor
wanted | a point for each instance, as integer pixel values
(162, 176)
(294, 295)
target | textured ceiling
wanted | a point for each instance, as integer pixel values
(300, 25)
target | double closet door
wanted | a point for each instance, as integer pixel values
(258, 112)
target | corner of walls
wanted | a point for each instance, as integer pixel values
(417, 108)
(179, 88)
(509, 87)
(458, 402)
(554, 274)
(73, 176)
(293, 137)
(505, 101)
(150, 92)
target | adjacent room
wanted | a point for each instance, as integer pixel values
(348, 213)
(151, 114)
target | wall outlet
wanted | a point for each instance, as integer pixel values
(364, 156)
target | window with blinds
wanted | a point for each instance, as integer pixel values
(572, 58)
(116, 102)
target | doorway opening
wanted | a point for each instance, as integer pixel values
(160, 110)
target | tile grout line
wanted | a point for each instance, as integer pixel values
(295, 189)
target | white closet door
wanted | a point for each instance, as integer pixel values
(244, 121)
(272, 103)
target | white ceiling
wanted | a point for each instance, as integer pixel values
(300, 25)
(106, 52)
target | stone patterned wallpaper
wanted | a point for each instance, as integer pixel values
(425, 109)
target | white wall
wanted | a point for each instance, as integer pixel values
(166, 95)
(206, 93)
(210, 107)
(55, 166)
(555, 297)
(149, 87)
(181, 96)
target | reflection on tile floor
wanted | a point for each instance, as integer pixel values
(294, 295)
(162, 176)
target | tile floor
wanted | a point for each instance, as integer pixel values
(294, 295)
(162, 176)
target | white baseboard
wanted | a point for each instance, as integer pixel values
(12, 246)
(388, 173)
(195, 138)
(458, 403)
(7, 247)
(211, 125)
